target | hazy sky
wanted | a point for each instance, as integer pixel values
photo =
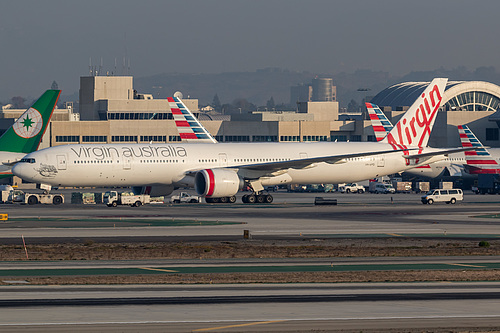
(49, 40)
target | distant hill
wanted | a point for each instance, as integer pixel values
(259, 86)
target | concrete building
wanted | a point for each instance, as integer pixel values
(111, 111)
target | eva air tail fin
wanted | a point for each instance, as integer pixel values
(25, 134)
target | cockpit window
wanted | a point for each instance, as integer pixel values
(27, 160)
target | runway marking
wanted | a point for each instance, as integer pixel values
(467, 265)
(159, 270)
(396, 235)
(239, 325)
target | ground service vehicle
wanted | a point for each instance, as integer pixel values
(19, 196)
(449, 196)
(185, 197)
(376, 187)
(351, 188)
(114, 198)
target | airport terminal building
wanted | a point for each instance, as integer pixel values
(111, 111)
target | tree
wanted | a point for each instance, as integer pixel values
(18, 102)
(243, 106)
(270, 103)
(216, 103)
(352, 106)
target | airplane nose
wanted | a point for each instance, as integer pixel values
(19, 170)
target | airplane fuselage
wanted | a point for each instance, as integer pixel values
(454, 163)
(149, 164)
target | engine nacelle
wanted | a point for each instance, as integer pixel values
(217, 183)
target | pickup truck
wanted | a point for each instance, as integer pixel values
(351, 188)
(185, 197)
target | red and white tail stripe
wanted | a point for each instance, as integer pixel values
(479, 161)
(190, 129)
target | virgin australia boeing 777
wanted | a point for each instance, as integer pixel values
(219, 170)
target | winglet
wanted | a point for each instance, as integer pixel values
(190, 129)
(25, 135)
(414, 128)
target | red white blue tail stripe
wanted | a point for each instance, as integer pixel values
(479, 161)
(380, 124)
(190, 129)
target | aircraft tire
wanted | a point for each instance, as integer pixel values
(223, 199)
(32, 200)
(260, 198)
(251, 199)
(268, 198)
(232, 199)
(208, 200)
(57, 200)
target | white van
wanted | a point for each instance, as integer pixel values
(448, 196)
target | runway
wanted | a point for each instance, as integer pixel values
(253, 308)
(355, 307)
(292, 215)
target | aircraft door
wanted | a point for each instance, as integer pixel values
(222, 159)
(61, 162)
(127, 161)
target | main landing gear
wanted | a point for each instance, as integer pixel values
(257, 198)
(231, 199)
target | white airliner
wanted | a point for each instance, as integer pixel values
(219, 170)
(453, 165)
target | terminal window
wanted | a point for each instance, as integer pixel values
(94, 138)
(67, 138)
(153, 138)
(124, 138)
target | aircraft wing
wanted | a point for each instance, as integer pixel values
(438, 152)
(306, 162)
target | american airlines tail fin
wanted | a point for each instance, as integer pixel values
(414, 128)
(25, 134)
(380, 124)
(190, 129)
(479, 161)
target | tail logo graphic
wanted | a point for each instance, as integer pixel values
(479, 161)
(29, 124)
(414, 129)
